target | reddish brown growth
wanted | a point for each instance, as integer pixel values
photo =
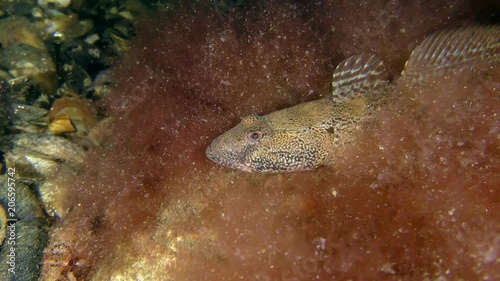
(416, 197)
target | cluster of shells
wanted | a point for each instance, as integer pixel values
(55, 57)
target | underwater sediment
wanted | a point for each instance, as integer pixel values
(415, 197)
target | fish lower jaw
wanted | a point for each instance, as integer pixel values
(236, 166)
(243, 168)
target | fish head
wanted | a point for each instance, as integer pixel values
(254, 146)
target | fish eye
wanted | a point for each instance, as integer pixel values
(254, 136)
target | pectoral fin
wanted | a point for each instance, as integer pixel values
(454, 49)
(358, 76)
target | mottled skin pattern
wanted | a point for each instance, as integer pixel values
(293, 139)
(304, 136)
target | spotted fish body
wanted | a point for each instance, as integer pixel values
(304, 136)
(300, 137)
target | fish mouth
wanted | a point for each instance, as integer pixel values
(208, 153)
(211, 156)
(230, 161)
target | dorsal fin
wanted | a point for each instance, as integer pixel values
(452, 49)
(359, 75)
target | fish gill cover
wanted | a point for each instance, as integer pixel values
(415, 197)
